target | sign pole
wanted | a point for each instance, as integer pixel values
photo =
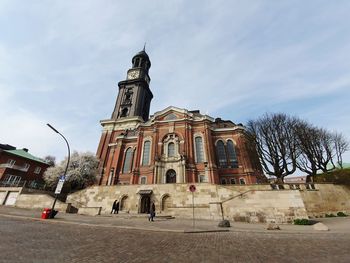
(62, 178)
(193, 208)
(192, 188)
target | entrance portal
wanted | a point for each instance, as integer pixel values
(170, 177)
(145, 204)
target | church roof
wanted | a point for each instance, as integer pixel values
(142, 53)
(173, 109)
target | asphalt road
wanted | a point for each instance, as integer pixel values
(26, 240)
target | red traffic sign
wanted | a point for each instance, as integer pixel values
(192, 188)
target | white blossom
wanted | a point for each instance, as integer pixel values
(82, 171)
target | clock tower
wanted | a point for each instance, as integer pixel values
(134, 97)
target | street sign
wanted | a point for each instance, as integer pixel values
(60, 184)
(192, 188)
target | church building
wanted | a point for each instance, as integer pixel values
(173, 145)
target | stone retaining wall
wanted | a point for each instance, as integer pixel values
(39, 201)
(251, 203)
(6, 191)
(265, 206)
(327, 199)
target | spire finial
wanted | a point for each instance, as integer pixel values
(144, 47)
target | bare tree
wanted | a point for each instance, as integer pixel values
(307, 145)
(276, 143)
(319, 149)
(284, 143)
(341, 145)
(325, 151)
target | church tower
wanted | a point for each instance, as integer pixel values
(172, 146)
(134, 97)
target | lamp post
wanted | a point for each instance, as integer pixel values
(65, 171)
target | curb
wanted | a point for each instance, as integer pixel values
(205, 231)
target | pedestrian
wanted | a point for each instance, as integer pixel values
(152, 212)
(115, 207)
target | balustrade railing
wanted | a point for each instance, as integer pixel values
(27, 184)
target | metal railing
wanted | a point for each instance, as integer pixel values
(26, 184)
(15, 167)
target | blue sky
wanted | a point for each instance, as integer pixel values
(60, 62)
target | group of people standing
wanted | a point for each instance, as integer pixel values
(152, 210)
(115, 207)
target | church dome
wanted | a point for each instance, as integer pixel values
(142, 53)
(141, 59)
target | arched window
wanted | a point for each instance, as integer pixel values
(170, 177)
(171, 149)
(127, 161)
(221, 154)
(233, 181)
(231, 152)
(199, 149)
(241, 181)
(124, 203)
(146, 152)
(223, 181)
(166, 202)
(124, 112)
(137, 62)
(127, 98)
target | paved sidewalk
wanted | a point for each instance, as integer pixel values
(140, 222)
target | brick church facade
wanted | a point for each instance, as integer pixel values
(171, 146)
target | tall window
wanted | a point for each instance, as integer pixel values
(232, 157)
(199, 149)
(171, 149)
(203, 178)
(37, 170)
(221, 154)
(170, 177)
(127, 161)
(11, 162)
(143, 180)
(124, 112)
(26, 166)
(146, 152)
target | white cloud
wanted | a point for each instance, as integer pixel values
(25, 130)
(60, 62)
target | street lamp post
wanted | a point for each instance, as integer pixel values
(65, 171)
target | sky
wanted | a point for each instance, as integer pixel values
(60, 62)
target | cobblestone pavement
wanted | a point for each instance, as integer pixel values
(140, 222)
(28, 240)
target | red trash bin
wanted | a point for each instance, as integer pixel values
(46, 213)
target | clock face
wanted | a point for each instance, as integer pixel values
(133, 74)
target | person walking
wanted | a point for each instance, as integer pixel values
(152, 212)
(115, 207)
